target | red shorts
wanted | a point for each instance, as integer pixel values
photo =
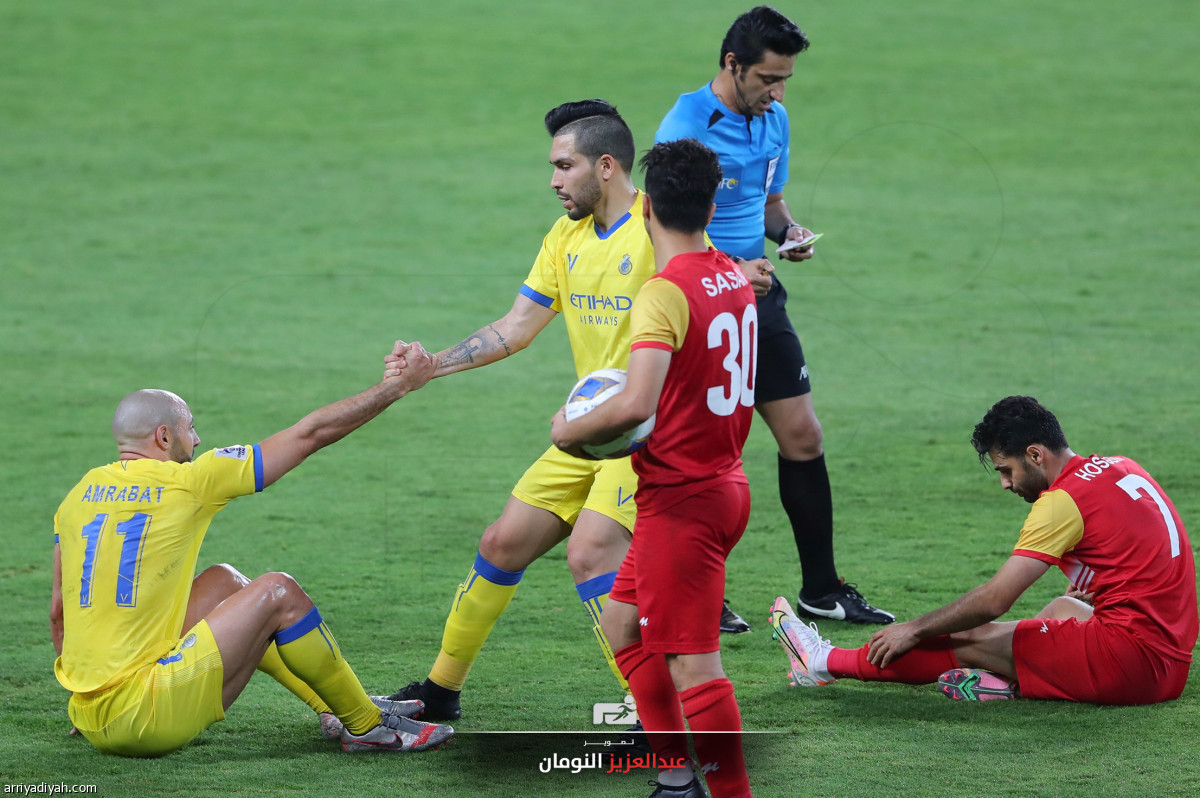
(1092, 662)
(675, 569)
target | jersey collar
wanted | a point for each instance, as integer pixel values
(719, 111)
(603, 236)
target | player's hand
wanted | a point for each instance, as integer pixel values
(559, 429)
(797, 233)
(1086, 598)
(889, 643)
(419, 367)
(758, 272)
(410, 369)
(395, 362)
(560, 436)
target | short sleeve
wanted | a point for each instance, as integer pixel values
(659, 318)
(674, 125)
(1053, 528)
(541, 285)
(226, 473)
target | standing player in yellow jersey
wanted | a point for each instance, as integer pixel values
(151, 657)
(591, 265)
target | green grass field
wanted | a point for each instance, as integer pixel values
(246, 202)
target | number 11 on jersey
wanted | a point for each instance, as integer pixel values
(133, 531)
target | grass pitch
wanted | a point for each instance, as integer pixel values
(247, 202)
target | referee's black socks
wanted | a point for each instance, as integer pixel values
(808, 501)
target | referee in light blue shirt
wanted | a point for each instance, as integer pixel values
(740, 116)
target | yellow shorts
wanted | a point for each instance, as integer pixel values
(160, 708)
(565, 485)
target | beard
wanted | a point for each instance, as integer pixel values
(585, 199)
(178, 453)
(1031, 487)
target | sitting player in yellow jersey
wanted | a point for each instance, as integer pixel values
(591, 265)
(151, 657)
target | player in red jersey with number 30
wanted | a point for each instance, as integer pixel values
(693, 360)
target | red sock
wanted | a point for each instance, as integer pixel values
(657, 701)
(712, 707)
(921, 665)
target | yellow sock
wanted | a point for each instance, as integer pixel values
(480, 600)
(309, 651)
(273, 666)
(593, 593)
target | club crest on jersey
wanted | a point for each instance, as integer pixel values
(626, 265)
(234, 452)
(189, 641)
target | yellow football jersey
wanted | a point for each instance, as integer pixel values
(592, 279)
(129, 534)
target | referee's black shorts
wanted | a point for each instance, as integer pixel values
(782, 372)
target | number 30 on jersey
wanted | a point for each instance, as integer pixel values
(739, 341)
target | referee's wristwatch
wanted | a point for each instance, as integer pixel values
(784, 232)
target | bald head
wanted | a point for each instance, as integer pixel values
(140, 418)
(140, 413)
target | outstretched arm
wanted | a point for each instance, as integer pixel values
(643, 386)
(285, 450)
(982, 605)
(507, 335)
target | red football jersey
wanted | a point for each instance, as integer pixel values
(707, 402)
(1128, 547)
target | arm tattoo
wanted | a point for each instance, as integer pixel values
(466, 351)
(507, 349)
(462, 353)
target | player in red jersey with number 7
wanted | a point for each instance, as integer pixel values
(1115, 534)
(694, 331)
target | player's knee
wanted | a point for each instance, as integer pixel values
(620, 628)
(589, 557)
(800, 438)
(503, 548)
(283, 596)
(693, 670)
(1065, 607)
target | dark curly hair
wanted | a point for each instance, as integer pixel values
(1014, 424)
(681, 181)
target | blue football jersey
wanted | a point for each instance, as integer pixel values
(754, 161)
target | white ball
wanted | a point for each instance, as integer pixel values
(594, 390)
